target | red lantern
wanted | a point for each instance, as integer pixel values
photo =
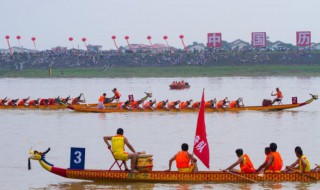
(7, 37)
(84, 39)
(149, 37)
(126, 37)
(181, 36)
(165, 37)
(113, 37)
(18, 37)
(33, 38)
(70, 39)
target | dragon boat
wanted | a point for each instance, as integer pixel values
(42, 107)
(242, 108)
(178, 86)
(163, 176)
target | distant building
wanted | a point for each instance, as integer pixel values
(315, 46)
(196, 47)
(94, 48)
(239, 45)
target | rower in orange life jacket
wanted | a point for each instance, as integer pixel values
(235, 103)
(43, 102)
(23, 102)
(136, 104)
(244, 161)
(33, 102)
(101, 101)
(210, 103)
(117, 94)
(275, 162)
(222, 103)
(183, 159)
(51, 101)
(278, 95)
(162, 105)
(186, 104)
(195, 105)
(149, 105)
(3, 101)
(12, 102)
(267, 152)
(65, 100)
(172, 105)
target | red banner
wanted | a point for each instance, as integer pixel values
(201, 146)
(258, 39)
(214, 40)
(303, 38)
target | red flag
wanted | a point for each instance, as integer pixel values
(201, 146)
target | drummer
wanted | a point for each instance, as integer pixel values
(117, 147)
(183, 159)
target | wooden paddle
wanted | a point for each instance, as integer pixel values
(248, 179)
(303, 174)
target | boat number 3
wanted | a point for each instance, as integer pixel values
(78, 157)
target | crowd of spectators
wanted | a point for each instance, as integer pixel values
(82, 59)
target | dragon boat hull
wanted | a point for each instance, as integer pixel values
(179, 86)
(252, 108)
(50, 107)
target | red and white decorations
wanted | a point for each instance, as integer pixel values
(303, 38)
(166, 40)
(33, 39)
(114, 41)
(8, 42)
(182, 41)
(127, 39)
(214, 40)
(258, 39)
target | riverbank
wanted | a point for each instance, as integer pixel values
(180, 71)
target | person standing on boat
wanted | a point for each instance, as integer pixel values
(244, 161)
(186, 104)
(301, 164)
(275, 161)
(172, 105)
(117, 94)
(162, 105)
(101, 100)
(278, 95)
(185, 161)
(117, 147)
(267, 152)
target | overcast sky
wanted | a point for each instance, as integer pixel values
(52, 22)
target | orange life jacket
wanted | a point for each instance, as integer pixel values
(10, 103)
(42, 101)
(32, 103)
(208, 104)
(160, 105)
(74, 101)
(146, 105)
(183, 105)
(195, 105)
(246, 166)
(1, 102)
(21, 102)
(233, 104)
(117, 94)
(135, 104)
(101, 99)
(279, 94)
(172, 105)
(182, 159)
(277, 163)
(220, 104)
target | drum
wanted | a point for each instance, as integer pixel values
(145, 163)
(267, 102)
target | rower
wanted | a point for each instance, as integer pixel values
(136, 104)
(3, 101)
(101, 101)
(195, 105)
(301, 164)
(267, 152)
(125, 105)
(222, 103)
(278, 95)
(51, 101)
(149, 105)
(162, 105)
(65, 100)
(23, 102)
(172, 105)
(186, 104)
(236, 103)
(33, 102)
(77, 100)
(185, 161)
(117, 94)
(12, 102)
(210, 103)
(275, 162)
(244, 161)
(43, 102)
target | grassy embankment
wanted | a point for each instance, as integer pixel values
(181, 71)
